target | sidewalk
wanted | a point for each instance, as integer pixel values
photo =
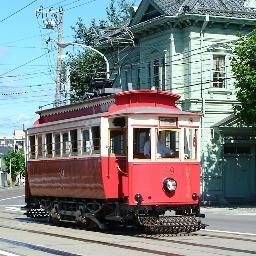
(249, 210)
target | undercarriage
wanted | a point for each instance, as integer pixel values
(104, 214)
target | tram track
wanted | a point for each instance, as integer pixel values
(149, 237)
(120, 246)
(206, 246)
(37, 247)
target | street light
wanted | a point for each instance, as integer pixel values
(65, 44)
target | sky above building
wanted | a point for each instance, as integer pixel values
(27, 63)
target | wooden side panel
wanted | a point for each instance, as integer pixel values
(77, 177)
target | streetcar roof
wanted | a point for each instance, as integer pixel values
(152, 111)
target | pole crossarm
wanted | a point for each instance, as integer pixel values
(65, 44)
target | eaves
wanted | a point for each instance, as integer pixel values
(188, 18)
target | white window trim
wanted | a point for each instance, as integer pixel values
(213, 69)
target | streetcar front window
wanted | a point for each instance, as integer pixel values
(167, 144)
(141, 143)
(117, 142)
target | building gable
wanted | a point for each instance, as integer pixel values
(147, 10)
(150, 9)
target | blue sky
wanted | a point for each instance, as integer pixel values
(27, 73)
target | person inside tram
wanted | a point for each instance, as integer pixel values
(161, 152)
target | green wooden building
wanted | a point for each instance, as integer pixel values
(185, 47)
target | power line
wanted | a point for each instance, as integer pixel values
(24, 64)
(17, 11)
(88, 2)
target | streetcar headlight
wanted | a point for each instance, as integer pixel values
(169, 185)
(138, 198)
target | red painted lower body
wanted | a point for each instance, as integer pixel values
(147, 180)
(113, 178)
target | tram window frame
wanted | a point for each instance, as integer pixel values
(190, 140)
(172, 143)
(66, 149)
(122, 142)
(32, 147)
(73, 142)
(86, 144)
(57, 145)
(39, 146)
(140, 136)
(49, 145)
(96, 141)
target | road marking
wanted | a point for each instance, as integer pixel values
(7, 253)
(12, 205)
(9, 198)
(13, 209)
(230, 232)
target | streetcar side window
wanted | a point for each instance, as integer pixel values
(32, 147)
(66, 144)
(39, 146)
(73, 137)
(117, 142)
(57, 144)
(141, 143)
(49, 145)
(86, 142)
(95, 139)
(190, 143)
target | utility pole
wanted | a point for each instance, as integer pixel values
(67, 87)
(51, 19)
(59, 61)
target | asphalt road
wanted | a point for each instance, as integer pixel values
(231, 231)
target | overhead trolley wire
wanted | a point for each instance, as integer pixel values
(24, 64)
(9, 16)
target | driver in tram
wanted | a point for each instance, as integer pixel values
(161, 152)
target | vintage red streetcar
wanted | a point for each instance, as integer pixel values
(128, 158)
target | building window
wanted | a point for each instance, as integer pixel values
(219, 71)
(138, 79)
(156, 76)
(149, 74)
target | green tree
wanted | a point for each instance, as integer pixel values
(244, 69)
(15, 163)
(87, 66)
